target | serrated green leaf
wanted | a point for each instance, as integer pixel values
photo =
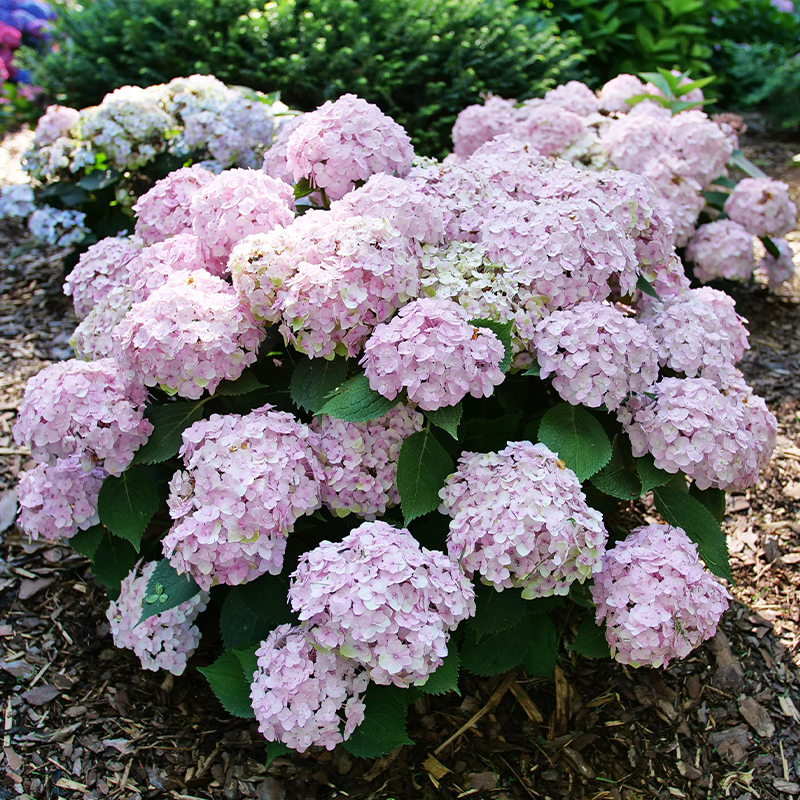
(446, 418)
(238, 624)
(445, 678)
(247, 658)
(542, 653)
(615, 479)
(275, 749)
(113, 559)
(484, 435)
(496, 611)
(715, 500)
(229, 684)
(313, 379)
(267, 598)
(498, 651)
(683, 511)
(86, 542)
(356, 402)
(650, 475)
(244, 384)
(127, 503)
(577, 437)
(169, 422)
(644, 286)
(176, 588)
(384, 725)
(503, 332)
(422, 467)
(770, 246)
(534, 369)
(591, 640)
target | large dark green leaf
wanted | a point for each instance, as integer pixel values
(127, 503)
(422, 467)
(577, 437)
(356, 402)
(169, 422)
(384, 725)
(167, 589)
(230, 685)
(313, 379)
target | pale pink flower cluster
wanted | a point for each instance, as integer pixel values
(188, 335)
(700, 144)
(520, 519)
(721, 249)
(721, 440)
(154, 265)
(480, 123)
(84, 409)
(548, 127)
(301, 695)
(668, 278)
(383, 601)
(103, 267)
(762, 206)
(94, 336)
(163, 211)
(347, 141)
(657, 600)
(682, 198)
(247, 479)
(430, 350)
(360, 460)
(597, 355)
(164, 641)
(636, 140)
(700, 334)
(58, 500)
(235, 204)
(57, 121)
(574, 96)
(615, 94)
(778, 270)
(275, 164)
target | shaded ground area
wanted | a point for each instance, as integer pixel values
(82, 720)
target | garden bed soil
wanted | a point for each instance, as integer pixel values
(80, 719)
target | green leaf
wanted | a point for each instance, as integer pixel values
(356, 402)
(266, 598)
(238, 624)
(739, 161)
(127, 503)
(542, 653)
(614, 479)
(484, 435)
(503, 331)
(651, 475)
(275, 749)
(496, 611)
(98, 179)
(384, 725)
(770, 246)
(313, 379)
(244, 384)
(698, 84)
(303, 189)
(166, 583)
(591, 640)
(716, 199)
(113, 559)
(715, 500)
(644, 286)
(577, 437)
(422, 467)
(534, 369)
(447, 418)
(445, 678)
(230, 685)
(684, 511)
(169, 423)
(247, 658)
(498, 651)
(86, 542)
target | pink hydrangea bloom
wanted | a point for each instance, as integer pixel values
(94, 337)
(597, 354)
(778, 270)
(360, 460)
(188, 335)
(383, 601)
(719, 440)
(275, 164)
(668, 278)
(637, 140)
(235, 204)
(682, 199)
(615, 94)
(721, 249)
(480, 123)
(762, 206)
(246, 480)
(84, 409)
(432, 351)
(574, 96)
(155, 264)
(548, 127)
(657, 600)
(301, 694)
(700, 334)
(101, 268)
(56, 501)
(520, 519)
(701, 146)
(165, 641)
(347, 141)
(164, 210)
(55, 123)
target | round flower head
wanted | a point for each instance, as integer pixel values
(84, 409)
(700, 334)
(520, 519)
(548, 127)
(275, 164)
(668, 278)
(682, 198)
(164, 210)
(56, 501)
(657, 600)
(700, 145)
(574, 96)
(597, 354)
(615, 94)
(383, 601)
(164, 641)
(635, 141)
(347, 141)
(719, 440)
(94, 336)
(480, 123)
(235, 204)
(721, 249)
(762, 206)
(246, 480)
(301, 695)
(54, 123)
(781, 269)
(432, 351)
(100, 269)
(188, 335)
(155, 264)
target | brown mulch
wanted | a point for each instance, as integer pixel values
(80, 719)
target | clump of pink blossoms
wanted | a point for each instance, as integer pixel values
(432, 351)
(247, 479)
(521, 520)
(574, 96)
(548, 127)
(383, 601)
(615, 94)
(762, 206)
(360, 460)
(164, 641)
(781, 269)
(301, 694)
(55, 123)
(721, 249)
(347, 141)
(597, 354)
(478, 124)
(188, 335)
(154, 264)
(657, 600)
(84, 409)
